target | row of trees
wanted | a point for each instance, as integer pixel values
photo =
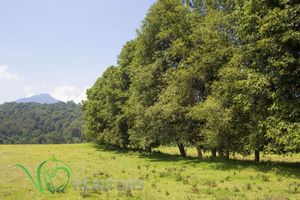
(220, 75)
(23, 123)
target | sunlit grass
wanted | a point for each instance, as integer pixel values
(164, 176)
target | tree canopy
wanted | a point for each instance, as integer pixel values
(222, 76)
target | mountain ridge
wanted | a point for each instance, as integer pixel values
(40, 98)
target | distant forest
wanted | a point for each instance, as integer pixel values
(33, 123)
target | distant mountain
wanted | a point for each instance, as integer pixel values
(41, 98)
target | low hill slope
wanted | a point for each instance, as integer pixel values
(22, 123)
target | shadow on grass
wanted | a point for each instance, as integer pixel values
(290, 169)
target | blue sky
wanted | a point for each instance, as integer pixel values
(61, 47)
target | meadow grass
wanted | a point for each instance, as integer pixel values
(165, 175)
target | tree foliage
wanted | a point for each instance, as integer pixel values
(217, 75)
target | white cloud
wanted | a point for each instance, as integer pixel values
(64, 93)
(6, 75)
(68, 93)
(29, 91)
(33, 90)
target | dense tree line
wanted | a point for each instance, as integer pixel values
(220, 75)
(33, 123)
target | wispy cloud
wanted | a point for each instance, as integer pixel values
(69, 92)
(5, 75)
(34, 90)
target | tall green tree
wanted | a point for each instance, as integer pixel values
(104, 114)
(268, 32)
(161, 44)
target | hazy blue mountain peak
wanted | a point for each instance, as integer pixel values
(41, 98)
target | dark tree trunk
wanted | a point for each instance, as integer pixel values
(213, 153)
(220, 153)
(256, 156)
(227, 153)
(148, 149)
(125, 146)
(199, 151)
(181, 149)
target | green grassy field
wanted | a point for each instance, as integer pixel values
(165, 175)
